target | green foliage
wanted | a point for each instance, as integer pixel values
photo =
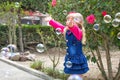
(7, 6)
(9, 1)
(93, 59)
(38, 65)
(88, 57)
(50, 37)
(3, 35)
(30, 35)
(104, 38)
(56, 73)
(40, 5)
(87, 7)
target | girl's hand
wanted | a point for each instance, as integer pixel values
(47, 19)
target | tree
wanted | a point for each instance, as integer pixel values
(12, 16)
(51, 40)
(39, 5)
(106, 34)
(8, 16)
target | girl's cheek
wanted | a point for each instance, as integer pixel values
(67, 22)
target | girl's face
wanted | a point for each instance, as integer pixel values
(69, 20)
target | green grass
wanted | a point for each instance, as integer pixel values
(38, 65)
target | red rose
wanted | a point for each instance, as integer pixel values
(104, 13)
(54, 3)
(91, 19)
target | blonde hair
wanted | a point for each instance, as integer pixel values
(78, 18)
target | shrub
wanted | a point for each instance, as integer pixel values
(38, 65)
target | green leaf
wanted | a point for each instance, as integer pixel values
(93, 59)
(88, 57)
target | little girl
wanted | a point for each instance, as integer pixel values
(74, 32)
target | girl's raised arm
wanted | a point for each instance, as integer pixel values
(76, 31)
(56, 24)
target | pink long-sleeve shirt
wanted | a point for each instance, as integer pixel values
(75, 29)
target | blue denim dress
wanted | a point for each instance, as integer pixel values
(75, 61)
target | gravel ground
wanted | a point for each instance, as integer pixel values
(92, 74)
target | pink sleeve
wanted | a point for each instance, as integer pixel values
(56, 24)
(76, 31)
